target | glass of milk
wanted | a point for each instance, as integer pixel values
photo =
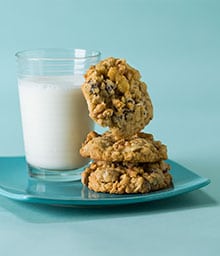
(54, 113)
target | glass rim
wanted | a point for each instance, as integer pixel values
(32, 54)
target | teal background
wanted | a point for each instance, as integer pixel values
(176, 47)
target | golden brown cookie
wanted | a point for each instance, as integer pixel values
(117, 98)
(127, 178)
(139, 148)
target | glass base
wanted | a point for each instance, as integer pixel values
(54, 175)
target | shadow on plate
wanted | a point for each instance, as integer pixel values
(37, 213)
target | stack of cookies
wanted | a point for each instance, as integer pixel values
(126, 160)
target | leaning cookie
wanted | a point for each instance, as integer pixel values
(139, 148)
(117, 98)
(127, 178)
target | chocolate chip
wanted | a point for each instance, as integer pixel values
(110, 87)
(126, 113)
(94, 88)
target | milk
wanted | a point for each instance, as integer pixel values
(55, 121)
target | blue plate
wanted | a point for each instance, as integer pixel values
(15, 184)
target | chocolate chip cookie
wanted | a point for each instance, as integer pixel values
(127, 178)
(140, 147)
(117, 98)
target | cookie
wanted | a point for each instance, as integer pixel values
(139, 148)
(117, 98)
(127, 178)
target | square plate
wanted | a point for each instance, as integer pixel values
(15, 184)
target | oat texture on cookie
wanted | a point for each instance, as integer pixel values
(125, 160)
(140, 147)
(127, 178)
(117, 98)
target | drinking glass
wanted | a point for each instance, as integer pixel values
(54, 113)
